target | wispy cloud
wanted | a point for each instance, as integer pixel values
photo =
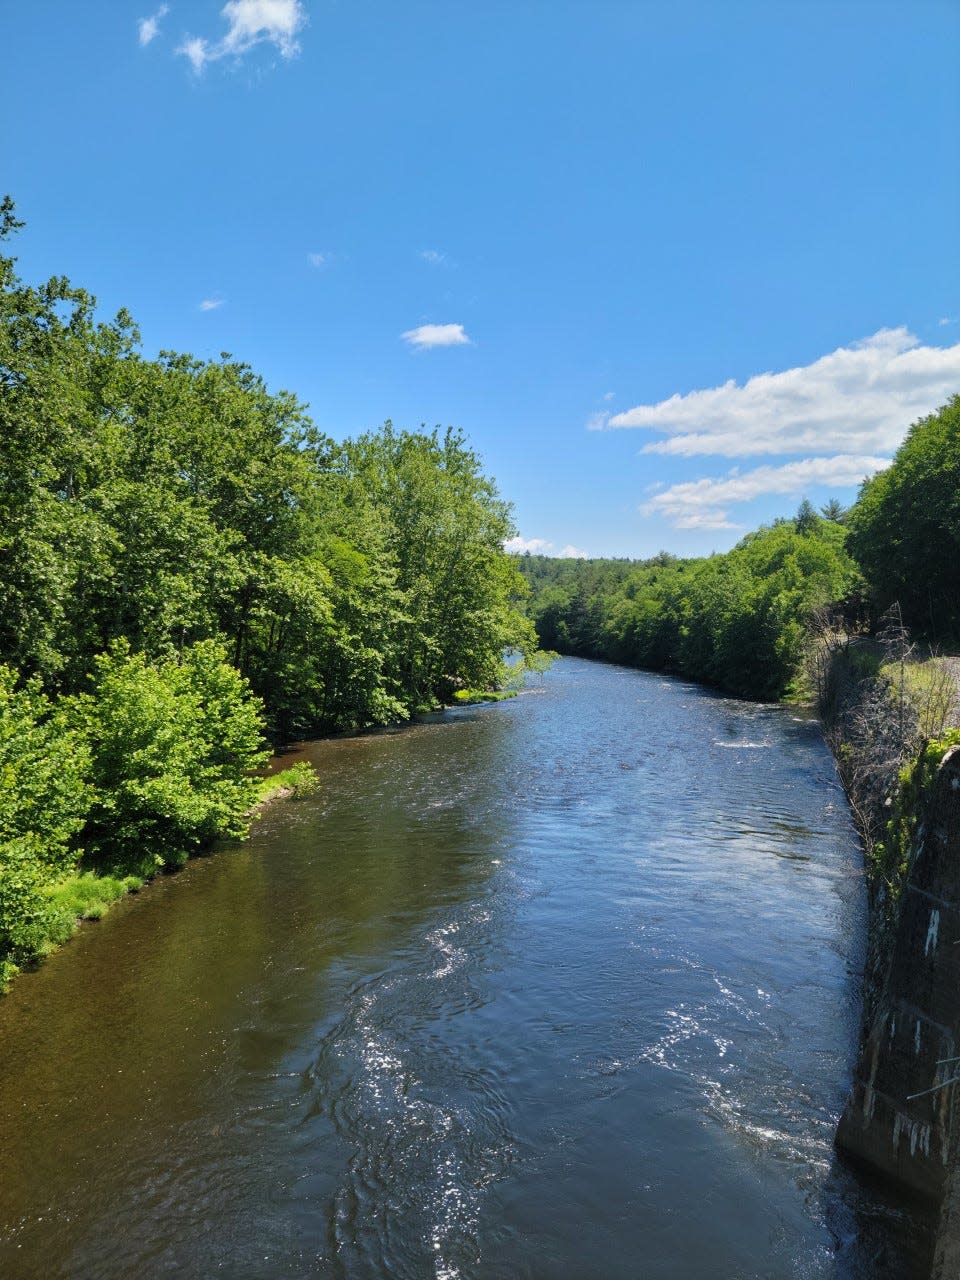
(196, 50)
(319, 260)
(536, 546)
(704, 504)
(249, 23)
(435, 257)
(148, 27)
(436, 335)
(210, 304)
(947, 320)
(541, 547)
(858, 398)
(609, 395)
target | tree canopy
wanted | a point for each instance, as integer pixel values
(188, 567)
(905, 527)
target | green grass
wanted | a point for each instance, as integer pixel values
(930, 687)
(468, 697)
(299, 780)
(84, 896)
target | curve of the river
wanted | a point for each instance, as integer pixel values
(562, 988)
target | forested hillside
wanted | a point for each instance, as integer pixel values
(189, 568)
(734, 620)
(739, 620)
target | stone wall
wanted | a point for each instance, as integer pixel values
(903, 1115)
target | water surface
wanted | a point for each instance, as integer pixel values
(562, 988)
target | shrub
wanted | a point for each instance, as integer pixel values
(43, 800)
(172, 745)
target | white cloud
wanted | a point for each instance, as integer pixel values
(249, 23)
(435, 257)
(860, 398)
(436, 335)
(148, 27)
(946, 320)
(211, 304)
(318, 259)
(703, 504)
(541, 547)
(196, 50)
(609, 395)
(598, 421)
(536, 546)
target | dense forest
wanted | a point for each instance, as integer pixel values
(189, 569)
(735, 620)
(740, 620)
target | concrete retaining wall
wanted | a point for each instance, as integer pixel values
(903, 1115)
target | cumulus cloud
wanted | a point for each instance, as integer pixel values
(211, 304)
(148, 27)
(249, 23)
(436, 335)
(703, 504)
(859, 398)
(541, 547)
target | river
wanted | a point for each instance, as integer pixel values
(561, 988)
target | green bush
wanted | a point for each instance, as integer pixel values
(300, 780)
(173, 744)
(25, 912)
(43, 800)
(891, 856)
(43, 763)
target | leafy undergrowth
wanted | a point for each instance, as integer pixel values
(469, 697)
(301, 779)
(891, 856)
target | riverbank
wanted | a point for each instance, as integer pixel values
(87, 895)
(889, 716)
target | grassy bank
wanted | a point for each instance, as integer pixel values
(470, 697)
(88, 895)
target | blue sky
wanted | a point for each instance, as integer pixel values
(670, 265)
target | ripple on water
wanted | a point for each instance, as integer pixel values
(527, 993)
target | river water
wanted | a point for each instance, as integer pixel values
(561, 988)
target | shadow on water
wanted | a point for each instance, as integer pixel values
(879, 1232)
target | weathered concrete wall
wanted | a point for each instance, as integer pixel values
(946, 1265)
(912, 1044)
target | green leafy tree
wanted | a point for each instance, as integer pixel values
(905, 527)
(457, 589)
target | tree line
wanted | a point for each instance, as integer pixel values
(740, 620)
(189, 568)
